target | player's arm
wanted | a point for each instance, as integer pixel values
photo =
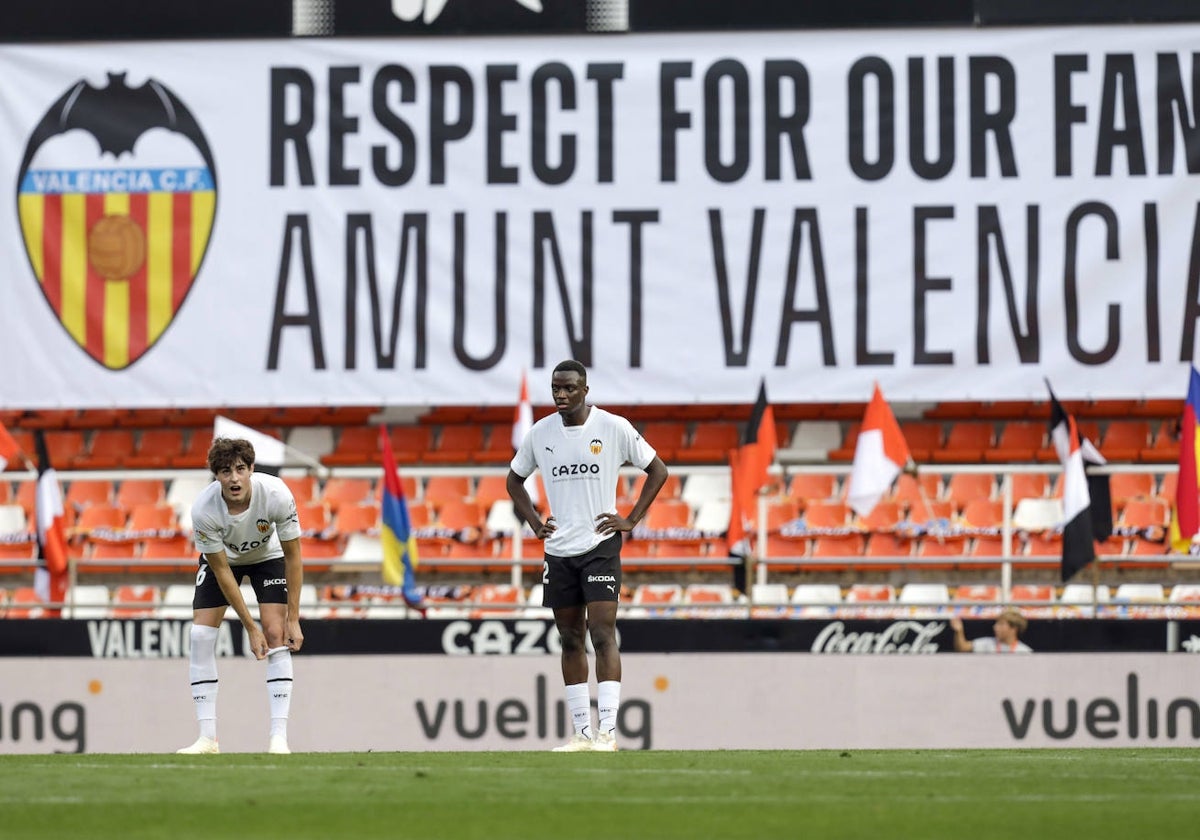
(218, 564)
(961, 643)
(293, 570)
(524, 508)
(656, 477)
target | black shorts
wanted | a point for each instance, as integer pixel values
(574, 581)
(268, 579)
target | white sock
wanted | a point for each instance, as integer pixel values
(279, 690)
(608, 696)
(579, 702)
(202, 670)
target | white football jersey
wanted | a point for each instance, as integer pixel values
(252, 536)
(580, 467)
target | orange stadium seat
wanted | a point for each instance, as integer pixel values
(340, 491)
(963, 487)
(910, 491)
(1164, 447)
(158, 518)
(870, 593)
(780, 510)
(845, 452)
(884, 517)
(671, 489)
(666, 514)
(135, 601)
(440, 489)
(141, 491)
(492, 489)
(1019, 440)
(987, 592)
(195, 452)
(316, 518)
(355, 519)
(108, 450)
(83, 492)
(101, 517)
(156, 449)
(966, 442)
(64, 447)
(667, 437)
(1125, 487)
(710, 443)
(499, 448)
(983, 513)
(356, 445)
(461, 515)
(304, 487)
(888, 546)
(813, 487)
(21, 603)
(934, 553)
(923, 438)
(455, 444)
(409, 443)
(1029, 486)
(827, 515)
(1124, 440)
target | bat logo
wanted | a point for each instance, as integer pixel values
(116, 198)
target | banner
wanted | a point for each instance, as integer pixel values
(767, 702)
(956, 214)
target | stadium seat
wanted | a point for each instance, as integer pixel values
(1139, 593)
(180, 550)
(362, 548)
(63, 447)
(1019, 440)
(316, 519)
(176, 601)
(870, 593)
(498, 448)
(833, 515)
(108, 450)
(771, 594)
(1032, 592)
(461, 514)
(441, 489)
(140, 491)
(816, 599)
(1124, 440)
(813, 487)
(710, 443)
(845, 452)
(1089, 429)
(977, 592)
(910, 491)
(340, 491)
(667, 515)
(83, 492)
(135, 601)
(359, 446)
(1143, 514)
(152, 521)
(1029, 486)
(156, 449)
(1124, 487)
(87, 601)
(102, 518)
(1164, 446)
(712, 517)
(884, 517)
(708, 593)
(966, 443)
(939, 553)
(923, 438)
(671, 489)
(304, 487)
(181, 495)
(810, 441)
(195, 452)
(658, 594)
(667, 437)
(963, 487)
(700, 488)
(836, 553)
(924, 594)
(23, 603)
(409, 443)
(983, 514)
(1084, 594)
(355, 519)
(455, 444)
(1182, 593)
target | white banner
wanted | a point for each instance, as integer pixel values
(681, 701)
(957, 214)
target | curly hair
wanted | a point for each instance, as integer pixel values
(225, 452)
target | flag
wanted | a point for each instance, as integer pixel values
(1086, 516)
(522, 423)
(8, 448)
(1185, 517)
(523, 418)
(399, 544)
(749, 467)
(880, 454)
(50, 579)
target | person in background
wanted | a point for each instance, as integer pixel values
(1008, 627)
(580, 451)
(246, 526)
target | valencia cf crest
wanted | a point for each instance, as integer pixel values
(595, 445)
(116, 196)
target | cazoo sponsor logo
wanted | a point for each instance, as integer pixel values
(480, 638)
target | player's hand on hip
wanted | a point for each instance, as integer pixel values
(611, 523)
(295, 636)
(548, 528)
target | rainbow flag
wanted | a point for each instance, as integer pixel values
(399, 544)
(1185, 517)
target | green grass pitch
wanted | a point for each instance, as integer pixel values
(1093, 794)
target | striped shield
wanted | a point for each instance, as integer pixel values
(116, 251)
(116, 243)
